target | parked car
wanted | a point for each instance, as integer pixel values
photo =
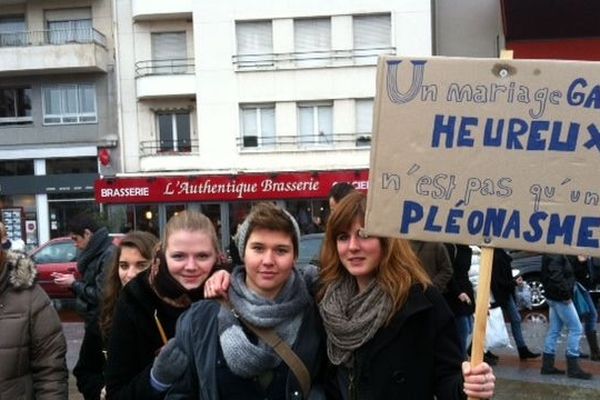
(57, 255)
(310, 248)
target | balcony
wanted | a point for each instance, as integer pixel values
(53, 51)
(311, 59)
(335, 141)
(165, 78)
(168, 147)
(147, 10)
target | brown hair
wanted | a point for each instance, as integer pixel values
(399, 268)
(271, 217)
(145, 243)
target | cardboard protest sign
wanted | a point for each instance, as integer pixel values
(500, 153)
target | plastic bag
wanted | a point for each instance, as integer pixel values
(496, 335)
(523, 296)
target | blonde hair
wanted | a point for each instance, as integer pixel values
(190, 221)
(398, 270)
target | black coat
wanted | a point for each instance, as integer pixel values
(135, 340)
(417, 356)
(558, 277)
(503, 285)
(460, 282)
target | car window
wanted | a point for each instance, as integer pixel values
(56, 253)
(309, 249)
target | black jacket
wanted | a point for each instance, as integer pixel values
(135, 340)
(92, 264)
(502, 285)
(417, 356)
(460, 282)
(558, 277)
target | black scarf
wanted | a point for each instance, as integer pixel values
(168, 289)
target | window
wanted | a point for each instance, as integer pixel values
(79, 165)
(169, 53)
(254, 43)
(12, 31)
(315, 124)
(258, 125)
(16, 167)
(15, 106)
(174, 131)
(372, 36)
(69, 25)
(312, 40)
(364, 121)
(69, 104)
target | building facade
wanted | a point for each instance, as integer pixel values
(225, 103)
(56, 111)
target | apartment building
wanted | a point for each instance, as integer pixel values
(226, 103)
(56, 111)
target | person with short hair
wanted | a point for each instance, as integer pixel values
(338, 192)
(96, 252)
(226, 359)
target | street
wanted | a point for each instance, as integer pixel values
(515, 379)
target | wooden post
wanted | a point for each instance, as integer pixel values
(482, 302)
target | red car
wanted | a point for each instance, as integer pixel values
(57, 255)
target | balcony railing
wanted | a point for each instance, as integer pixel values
(168, 147)
(164, 67)
(295, 142)
(310, 58)
(51, 37)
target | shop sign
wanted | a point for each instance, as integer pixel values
(274, 186)
(500, 153)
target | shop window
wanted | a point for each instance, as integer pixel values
(258, 125)
(16, 167)
(80, 165)
(174, 132)
(315, 124)
(69, 104)
(312, 41)
(15, 106)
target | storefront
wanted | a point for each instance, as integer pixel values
(147, 202)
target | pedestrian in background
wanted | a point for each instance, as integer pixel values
(33, 365)
(390, 334)
(582, 267)
(460, 295)
(503, 289)
(558, 279)
(133, 255)
(436, 261)
(227, 360)
(96, 254)
(149, 305)
(5, 242)
(337, 192)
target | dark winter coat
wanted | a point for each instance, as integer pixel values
(197, 334)
(135, 340)
(92, 264)
(435, 260)
(503, 285)
(32, 344)
(417, 356)
(557, 277)
(460, 283)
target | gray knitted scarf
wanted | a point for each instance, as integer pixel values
(245, 358)
(351, 318)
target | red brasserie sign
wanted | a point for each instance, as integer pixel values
(273, 186)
